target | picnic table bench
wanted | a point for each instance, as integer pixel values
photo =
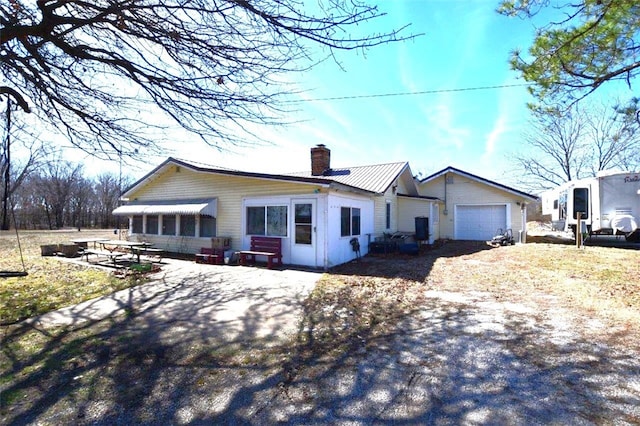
(210, 255)
(150, 252)
(270, 247)
(112, 255)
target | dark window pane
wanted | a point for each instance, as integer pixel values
(255, 220)
(388, 215)
(345, 221)
(355, 221)
(188, 225)
(207, 226)
(303, 213)
(168, 224)
(136, 224)
(581, 202)
(152, 224)
(303, 234)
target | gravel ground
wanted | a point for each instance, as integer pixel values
(460, 356)
(468, 359)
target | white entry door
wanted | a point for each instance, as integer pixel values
(304, 237)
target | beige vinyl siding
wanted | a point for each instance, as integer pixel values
(463, 190)
(409, 209)
(229, 190)
(380, 213)
(380, 207)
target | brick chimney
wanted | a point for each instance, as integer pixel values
(320, 160)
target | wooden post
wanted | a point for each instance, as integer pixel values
(579, 230)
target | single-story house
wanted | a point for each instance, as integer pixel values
(181, 205)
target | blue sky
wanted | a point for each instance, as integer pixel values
(465, 45)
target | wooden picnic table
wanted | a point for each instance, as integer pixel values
(135, 247)
(84, 242)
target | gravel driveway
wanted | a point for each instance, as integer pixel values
(204, 345)
(468, 359)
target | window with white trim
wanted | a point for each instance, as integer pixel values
(349, 221)
(152, 224)
(187, 225)
(267, 220)
(168, 224)
(207, 226)
(388, 215)
(136, 224)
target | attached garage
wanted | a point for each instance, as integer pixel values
(474, 208)
(480, 222)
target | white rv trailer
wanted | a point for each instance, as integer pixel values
(608, 204)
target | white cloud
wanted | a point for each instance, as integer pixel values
(441, 128)
(499, 128)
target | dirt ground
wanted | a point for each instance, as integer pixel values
(461, 334)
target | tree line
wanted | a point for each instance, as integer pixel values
(58, 194)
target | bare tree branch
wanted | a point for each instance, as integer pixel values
(110, 75)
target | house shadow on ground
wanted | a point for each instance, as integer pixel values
(407, 266)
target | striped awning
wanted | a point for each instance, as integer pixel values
(207, 207)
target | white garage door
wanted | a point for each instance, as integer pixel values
(479, 222)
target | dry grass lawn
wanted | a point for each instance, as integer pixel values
(355, 306)
(602, 280)
(51, 284)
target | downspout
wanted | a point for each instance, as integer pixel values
(326, 238)
(523, 214)
(445, 211)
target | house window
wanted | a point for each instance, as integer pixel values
(349, 221)
(207, 226)
(388, 215)
(152, 224)
(188, 225)
(267, 220)
(168, 224)
(136, 224)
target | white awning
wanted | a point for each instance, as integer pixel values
(207, 207)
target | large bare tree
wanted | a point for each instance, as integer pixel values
(16, 133)
(108, 74)
(562, 146)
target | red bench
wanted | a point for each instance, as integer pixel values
(269, 247)
(210, 255)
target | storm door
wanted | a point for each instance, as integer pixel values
(303, 238)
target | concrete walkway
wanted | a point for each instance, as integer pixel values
(233, 301)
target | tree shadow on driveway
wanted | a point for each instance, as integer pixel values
(177, 351)
(470, 361)
(206, 349)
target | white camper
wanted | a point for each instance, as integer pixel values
(608, 204)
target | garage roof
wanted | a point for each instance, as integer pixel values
(479, 179)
